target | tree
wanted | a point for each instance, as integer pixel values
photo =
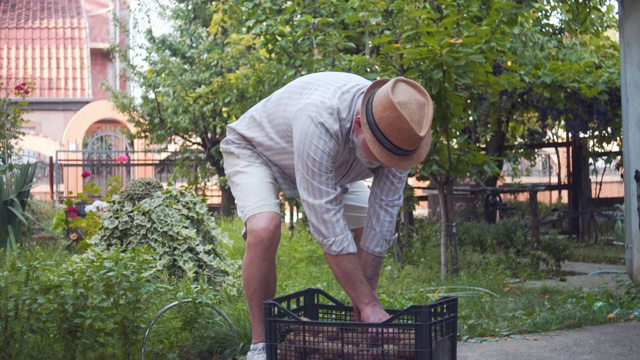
(449, 48)
(201, 73)
(12, 110)
(478, 60)
(486, 64)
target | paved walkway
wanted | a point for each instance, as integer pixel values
(590, 276)
(619, 341)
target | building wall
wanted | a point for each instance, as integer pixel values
(51, 124)
(100, 72)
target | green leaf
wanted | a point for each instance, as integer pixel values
(477, 58)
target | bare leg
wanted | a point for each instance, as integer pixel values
(357, 237)
(259, 267)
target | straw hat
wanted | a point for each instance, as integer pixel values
(396, 120)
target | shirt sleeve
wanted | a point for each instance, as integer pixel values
(315, 146)
(384, 203)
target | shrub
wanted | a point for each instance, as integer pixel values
(506, 236)
(140, 189)
(97, 306)
(511, 239)
(557, 248)
(176, 225)
(38, 229)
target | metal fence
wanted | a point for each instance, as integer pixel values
(70, 171)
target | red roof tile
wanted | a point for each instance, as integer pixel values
(45, 41)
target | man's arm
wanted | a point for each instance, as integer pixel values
(371, 266)
(351, 277)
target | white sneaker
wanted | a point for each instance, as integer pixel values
(257, 351)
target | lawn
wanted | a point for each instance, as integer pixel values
(61, 303)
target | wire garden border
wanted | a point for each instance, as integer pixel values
(174, 304)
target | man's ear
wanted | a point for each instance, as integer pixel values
(357, 123)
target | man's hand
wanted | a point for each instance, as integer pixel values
(374, 314)
(377, 335)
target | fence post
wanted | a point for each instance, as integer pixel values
(535, 220)
(51, 177)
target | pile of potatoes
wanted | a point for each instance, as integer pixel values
(333, 343)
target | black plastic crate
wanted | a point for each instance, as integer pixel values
(313, 325)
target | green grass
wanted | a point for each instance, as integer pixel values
(598, 253)
(489, 304)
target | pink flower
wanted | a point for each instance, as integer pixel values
(122, 158)
(73, 215)
(85, 174)
(71, 209)
(22, 88)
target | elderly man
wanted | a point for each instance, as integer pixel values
(316, 139)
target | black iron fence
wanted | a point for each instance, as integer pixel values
(73, 172)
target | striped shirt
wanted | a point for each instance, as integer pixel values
(303, 133)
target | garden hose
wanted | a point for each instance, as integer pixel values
(174, 304)
(475, 290)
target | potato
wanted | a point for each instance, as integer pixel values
(306, 328)
(406, 348)
(330, 333)
(316, 356)
(308, 345)
(406, 336)
(356, 339)
(350, 353)
(390, 352)
(331, 350)
(291, 338)
(286, 352)
(371, 354)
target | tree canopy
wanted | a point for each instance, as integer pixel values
(501, 73)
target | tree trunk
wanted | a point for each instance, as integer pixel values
(535, 220)
(444, 218)
(581, 201)
(448, 242)
(491, 213)
(495, 149)
(227, 202)
(559, 174)
(451, 232)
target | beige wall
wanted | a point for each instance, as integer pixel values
(49, 123)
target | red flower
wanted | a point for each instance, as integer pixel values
(72, 209)
(73, 215)
(22, 88)
(122, 158)
(85, 174)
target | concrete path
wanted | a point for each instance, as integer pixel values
(619, 341)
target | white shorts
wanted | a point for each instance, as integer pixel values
(256, 191)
